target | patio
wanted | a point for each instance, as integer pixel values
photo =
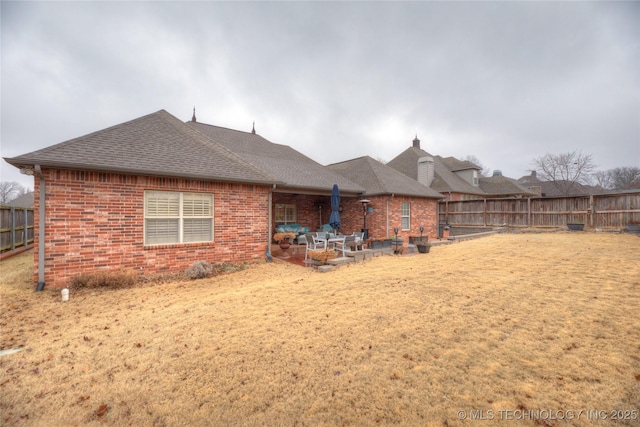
(296, 256)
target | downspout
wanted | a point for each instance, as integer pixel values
(269, 221)
(387, 216)
(41, 216)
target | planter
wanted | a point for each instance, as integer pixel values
(320, 257)
(572, 226)
(633, 228)
(379, 244)
(284, 245)
(423, 249)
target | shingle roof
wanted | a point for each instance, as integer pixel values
(24, 201)
(294, 169)
(455, 165)
(503, 186)
(444, 181)
(157, 144)
(378, 178)
(551, 189)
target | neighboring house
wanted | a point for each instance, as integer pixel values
(156, 194)
(501, 186)
(453, 178)
(396, 201)
(436, 172)
(24, 201)
(558, 188)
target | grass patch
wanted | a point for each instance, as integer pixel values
(502, 323)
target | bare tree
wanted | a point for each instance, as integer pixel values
(565, 170)
(476, 161)
(625, 177)
(603, 179)
(10, 190)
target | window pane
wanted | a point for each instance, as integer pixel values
(161, 231)
(406, 216)
(197, 205)
(162, 204)
(290, 214)
(197, 230)
(405, 223)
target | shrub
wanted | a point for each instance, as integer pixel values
(199, 270)
(105, 279)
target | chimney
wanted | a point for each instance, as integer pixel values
(426, 170)
(416, 142)
(497, 172)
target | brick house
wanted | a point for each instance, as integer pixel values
(156, 194)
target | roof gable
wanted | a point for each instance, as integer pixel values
(444, 180)
(156, 144)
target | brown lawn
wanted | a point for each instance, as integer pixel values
(512, 325)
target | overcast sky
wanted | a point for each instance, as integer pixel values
(503, 81)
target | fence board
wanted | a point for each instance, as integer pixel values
(16, 227)
(601, 211)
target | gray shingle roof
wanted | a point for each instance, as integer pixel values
(378, 178)
(444, 180)
(24, 201)
(294, 169)
(157, 144)
(503, 186)
(455, 165)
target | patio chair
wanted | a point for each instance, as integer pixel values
(340, 245)
(322, 235)
(351, 242)
(314, 244)
(359, 239)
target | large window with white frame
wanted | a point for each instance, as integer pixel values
(286, 214)
(406, 216)
(174, 217)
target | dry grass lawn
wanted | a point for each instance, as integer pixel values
(512, 322)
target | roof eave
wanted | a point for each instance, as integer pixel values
(128, 171)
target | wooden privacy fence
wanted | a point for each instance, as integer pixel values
(597, 211)
(16, 227)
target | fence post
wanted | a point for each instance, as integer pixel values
(484, 213)
(13, 228)
(528, 211)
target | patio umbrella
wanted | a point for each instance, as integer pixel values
(334, 219)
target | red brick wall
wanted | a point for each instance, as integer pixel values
(423, 213)
(387, 214)
(94, 221)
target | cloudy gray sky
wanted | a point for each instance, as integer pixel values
(503, 81)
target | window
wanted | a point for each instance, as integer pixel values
(406, 216)
(286, 214)
(475, 178)
(171, 217)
